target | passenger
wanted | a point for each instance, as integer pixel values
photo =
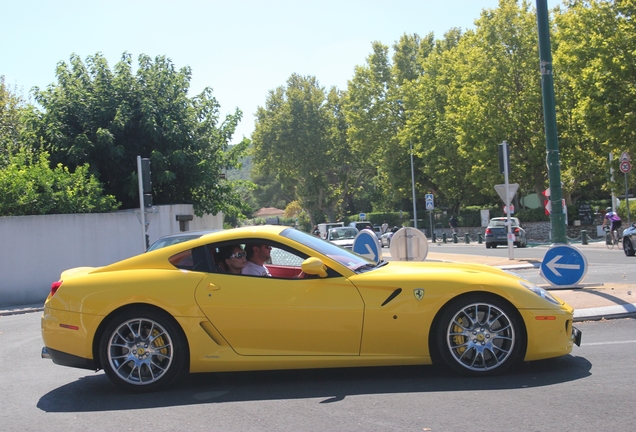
(257, 255)
(232, 259)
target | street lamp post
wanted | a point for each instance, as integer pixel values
(413, 186)
(399, 101)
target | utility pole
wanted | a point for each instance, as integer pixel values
(557, 217)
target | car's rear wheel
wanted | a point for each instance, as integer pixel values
(628, 247)
(480, 335)
(142, 349)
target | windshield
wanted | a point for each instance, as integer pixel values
(347, 258)
(343, 233)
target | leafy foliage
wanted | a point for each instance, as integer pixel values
(299, 141)
(107, 118)
(29, 187)
(12, 108)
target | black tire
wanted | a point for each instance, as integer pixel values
(143, 349)
(480, 335)
(628, 247)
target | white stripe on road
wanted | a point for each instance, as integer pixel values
(609, 343)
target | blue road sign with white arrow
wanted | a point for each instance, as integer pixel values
(563, 265)
(367, 244)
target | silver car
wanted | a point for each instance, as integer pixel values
(497, 232)
(342, 236)
(629, 240)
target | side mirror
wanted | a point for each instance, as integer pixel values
(314, 266)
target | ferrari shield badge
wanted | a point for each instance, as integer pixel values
(418, 293)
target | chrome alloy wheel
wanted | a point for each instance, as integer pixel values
(140, 351)
(480, 337)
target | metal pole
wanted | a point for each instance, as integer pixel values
(142, 209)
(629, 222)
(557, 218)
(509, 228)
(413, 185)
(611, 158)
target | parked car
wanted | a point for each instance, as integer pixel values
(323, 228)
(497, 232)
(150, 318)
(377, 229)
(629, 240)
(342, 236)
(362, 225)
(385, 239)
(175, 238)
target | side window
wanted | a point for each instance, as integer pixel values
(198, 259)
(182, 260)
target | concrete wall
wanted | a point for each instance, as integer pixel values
(36, 249)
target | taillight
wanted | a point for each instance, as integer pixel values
(488, 231)
(516, 230)
(55, 286)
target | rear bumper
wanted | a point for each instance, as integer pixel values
(69, 360)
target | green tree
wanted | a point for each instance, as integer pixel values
(107, 118)
(494, 94)
(12, 109)
(375, 119)
(596, 59)
(28, 186)
(297, 139)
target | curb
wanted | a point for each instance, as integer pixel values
(605, 312)
(18, 310)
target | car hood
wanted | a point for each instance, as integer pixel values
(442, 281)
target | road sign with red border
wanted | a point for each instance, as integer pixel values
(625, 166)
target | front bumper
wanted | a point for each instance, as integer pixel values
(550, 333)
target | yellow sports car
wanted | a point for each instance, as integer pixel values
(149, 318)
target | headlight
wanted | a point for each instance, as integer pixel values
(540, 292)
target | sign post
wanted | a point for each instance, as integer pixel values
(506, 194)
(430, 206)
(626, 167)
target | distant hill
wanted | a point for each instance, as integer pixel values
(244, 173)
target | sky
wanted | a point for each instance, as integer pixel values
(242, 49)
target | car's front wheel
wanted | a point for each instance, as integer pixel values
(628, 247)
(480, 335)
(142, 349)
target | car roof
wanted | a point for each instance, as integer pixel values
(499, 221)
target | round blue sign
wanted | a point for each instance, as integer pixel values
(366, 244)
(563, 265)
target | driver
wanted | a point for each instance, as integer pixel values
(257, 255)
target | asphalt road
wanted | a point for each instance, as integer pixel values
(590, 390)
